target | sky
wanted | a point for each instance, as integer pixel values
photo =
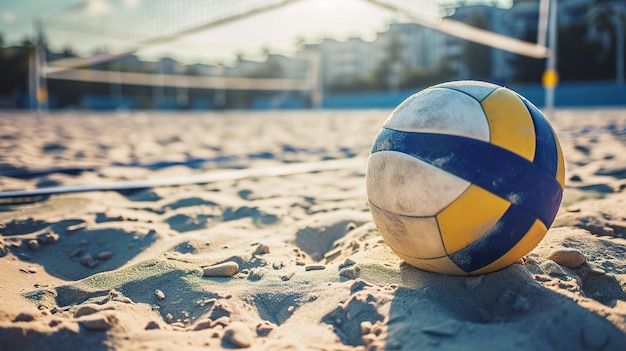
(69, 23)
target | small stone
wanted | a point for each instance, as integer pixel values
(473, 282)
(159, 294)
(264, 328)
(262, 249)
(87, 261)
(83, 243)
(571, 258)
(169, 317)
(594, 337)
(351, 272)
(104, 255)
(50, 238)
(226, 269)
(314, 267)
(33, 245)
(552, 268)
(238, 335)
(347, 262)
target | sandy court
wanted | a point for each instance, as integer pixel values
(300, 263)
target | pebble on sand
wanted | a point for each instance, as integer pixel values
(225, 269)
(262, 249)
(104, 255)
(239, 335)
(49, 238)
(347, 262)
(33, 245)
(314, 267)
(87, 261)
(571, 258)
(159, 294)
(351, 272)
(264, 328)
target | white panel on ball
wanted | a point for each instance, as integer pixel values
(402, 184)
(417, 235)
(443, 111)
(441, 265)
(479, 90)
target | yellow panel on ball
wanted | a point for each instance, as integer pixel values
(469, 217)
(510, 123)
(560, 171)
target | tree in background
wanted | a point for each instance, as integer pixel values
(477, 57)
(580, 57)
(387, 76)
(14, 67)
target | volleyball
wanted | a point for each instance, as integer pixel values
(464, 178)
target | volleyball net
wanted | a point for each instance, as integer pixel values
(96, 33)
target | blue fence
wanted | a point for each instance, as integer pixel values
(579, 94)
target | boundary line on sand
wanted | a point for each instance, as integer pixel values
(297, 168)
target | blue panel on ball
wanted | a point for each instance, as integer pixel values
(520, 182)
(458, 155)
(505, 234)
(493, 168)
(546, 153)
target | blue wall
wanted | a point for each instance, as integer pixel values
(579, 94)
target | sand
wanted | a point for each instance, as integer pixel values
(282, 263)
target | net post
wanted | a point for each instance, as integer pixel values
(40, 91)
(550, 76)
